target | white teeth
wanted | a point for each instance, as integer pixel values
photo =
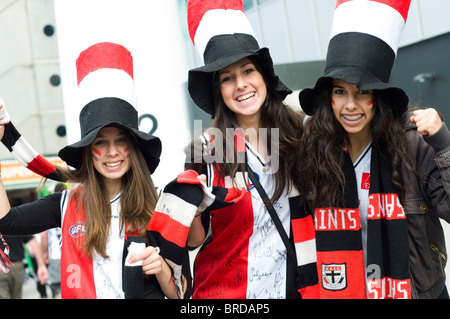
(246, 97)
(354, 118)
(113, 164)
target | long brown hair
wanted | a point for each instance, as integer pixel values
(320, 176)
(274, 114)
(137, 200)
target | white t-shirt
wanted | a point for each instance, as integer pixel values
(267, 253)
(108, 271)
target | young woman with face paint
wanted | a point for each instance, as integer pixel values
(113, 170)
(348, 133)
(375, 174)
(107, 215)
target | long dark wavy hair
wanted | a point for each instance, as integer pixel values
(274, 114)
(320, 176)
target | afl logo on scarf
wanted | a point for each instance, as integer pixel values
(334, 276)
(77, 230)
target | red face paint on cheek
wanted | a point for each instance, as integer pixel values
(126, 150)
(96, 151)
(370, 103)
(333, 102)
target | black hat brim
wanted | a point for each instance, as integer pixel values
(363, 80)
(150, 146)
(200, 80)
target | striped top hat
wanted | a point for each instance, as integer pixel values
(223, 35)
(108, 98)
(363, 46)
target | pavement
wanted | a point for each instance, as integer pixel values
(30, 291)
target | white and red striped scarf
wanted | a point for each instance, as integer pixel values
(25, 154)
(176, 208)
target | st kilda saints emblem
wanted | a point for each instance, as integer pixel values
(334, 276)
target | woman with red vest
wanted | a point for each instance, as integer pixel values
(108, 214)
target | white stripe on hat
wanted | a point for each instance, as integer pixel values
(105, 83)
(219, 21)
(370, 17)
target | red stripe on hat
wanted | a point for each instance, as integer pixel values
(104, 55)
(402, 6)
(197, 9)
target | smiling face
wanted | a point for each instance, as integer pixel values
(352, 108)
(243, 89)
(110, 151)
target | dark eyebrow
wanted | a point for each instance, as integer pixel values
(100, 135)
(224, 70)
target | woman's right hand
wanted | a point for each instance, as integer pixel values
(428, 121)
(202, 178)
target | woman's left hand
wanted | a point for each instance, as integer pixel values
(428, 121)
(151, 260)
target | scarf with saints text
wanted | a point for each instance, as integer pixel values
(340, 263)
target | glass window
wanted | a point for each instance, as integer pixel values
(248, 4)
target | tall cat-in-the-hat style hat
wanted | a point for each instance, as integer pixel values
(106, 84)
(222, 34)
(363, 46)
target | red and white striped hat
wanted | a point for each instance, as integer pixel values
(209, 18)
(363, 45)
(223, 35)
(108, 95)
(106, 70)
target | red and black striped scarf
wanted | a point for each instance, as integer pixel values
(25, 154)
(340, 264)
(180, 201)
